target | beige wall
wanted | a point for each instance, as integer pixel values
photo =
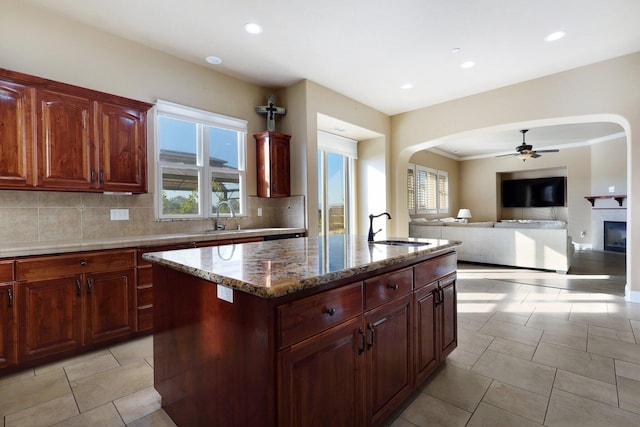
(606, 91)
(609, 168)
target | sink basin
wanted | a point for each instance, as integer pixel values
(401, 243)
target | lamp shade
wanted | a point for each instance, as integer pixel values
(464, 214)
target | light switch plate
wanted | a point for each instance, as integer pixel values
(119, 214)
(259, 211)
(612, 189)
(225, 294)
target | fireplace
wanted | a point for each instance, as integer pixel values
(615, 236)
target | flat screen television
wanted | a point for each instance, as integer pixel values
(534, 193)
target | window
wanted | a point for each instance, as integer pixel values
(200, 161)
(427, 190)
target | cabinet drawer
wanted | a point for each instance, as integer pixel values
(145, 319)
(62, 265)
(145, 296)
(386, 287)
(145, 275)
(432, 269)
(6, 271)
(305, 317)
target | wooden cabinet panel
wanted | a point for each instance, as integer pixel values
(16, 135)
(8, 352)
(124, 147)
(305, 317)
(426, 352)
(385, 287)
(449, 316)
(320, 379)
(67, 157)
(273, 169)
(111, 305)
(49, 317)
(427, 271)
(389, 357)
(6, 271)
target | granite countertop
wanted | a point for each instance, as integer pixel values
(271, 269)
(54, 247)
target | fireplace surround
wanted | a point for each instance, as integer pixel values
(615, 236)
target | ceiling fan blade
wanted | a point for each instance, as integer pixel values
(547, 151)
(507, 155)
(535, 155)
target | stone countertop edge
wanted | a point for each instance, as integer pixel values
(12, 250)
(295, 283)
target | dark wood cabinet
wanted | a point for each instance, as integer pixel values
(447, 321)
(8, 354)
(61, 137)
(17, 143)
(273, 170)
(426, 334)
(69, 302)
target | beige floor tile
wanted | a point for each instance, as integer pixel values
(103, 416)
(627, 370)
(629, 391)
(133, 350)
(586, 387)
(614, 348)
(459, 387)
(149, 360)
(628, 310)
(462, 359)
(602, 319)
(599, 331)
(578, 362)
(401, 422)
(517, 372)
(589, 307)
(138, 404)
(31, 391)
(569, 410)
(512, 348)
(91, 367)
(427, 411)
(518, 319)
(470, 324)
(553, 324)
(511, 332)
(157, 419)
(44, 414)
(516, 400)
(107, 386)
(489, 415)
(18, 376)
(473, 342)
(565, 340)
(70, 361)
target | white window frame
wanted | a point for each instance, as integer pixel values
(203, 119)
(440, 203)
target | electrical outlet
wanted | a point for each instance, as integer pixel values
(612, 189)
(225, 294)
(259, 211)
(119, 214)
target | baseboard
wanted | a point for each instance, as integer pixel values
(631, 296)
(582, 246)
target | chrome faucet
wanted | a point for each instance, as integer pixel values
(228, 205)
(371, 232)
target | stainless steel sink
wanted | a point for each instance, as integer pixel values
(401, 243)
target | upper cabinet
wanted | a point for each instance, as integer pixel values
(272, 155)
(66, 138)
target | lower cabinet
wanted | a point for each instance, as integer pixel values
(7, 323)
(67, 302)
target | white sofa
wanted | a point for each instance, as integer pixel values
(532, 244)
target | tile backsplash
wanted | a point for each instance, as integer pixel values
(41, 216)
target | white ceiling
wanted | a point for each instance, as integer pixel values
(367, 49)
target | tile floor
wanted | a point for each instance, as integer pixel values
(534, 348)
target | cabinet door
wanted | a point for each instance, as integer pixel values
(7, 325)
(66, 154)
(280, 180)
(49, 316)
(16, 136)
(389, 357)
(448, 316)
(426, 354)
(320, 379)
(111, 308)
(124, 148)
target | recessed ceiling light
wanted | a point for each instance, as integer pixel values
(213, 60)
(406, 86)
(455, 50)
(456, 151)
(252, 28)
(555, 36)
(467, 64)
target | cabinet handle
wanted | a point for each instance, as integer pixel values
(83, 263)
(364, 340)
(78, 287)
(10, 302)
(330, 311)
(93, 176)
(436, 295)
(372, 334)
(393, 286)
(89, 286)
(441, 295)
(101, 176)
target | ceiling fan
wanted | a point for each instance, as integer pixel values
(525, 151)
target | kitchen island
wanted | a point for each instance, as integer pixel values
(300, 332)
